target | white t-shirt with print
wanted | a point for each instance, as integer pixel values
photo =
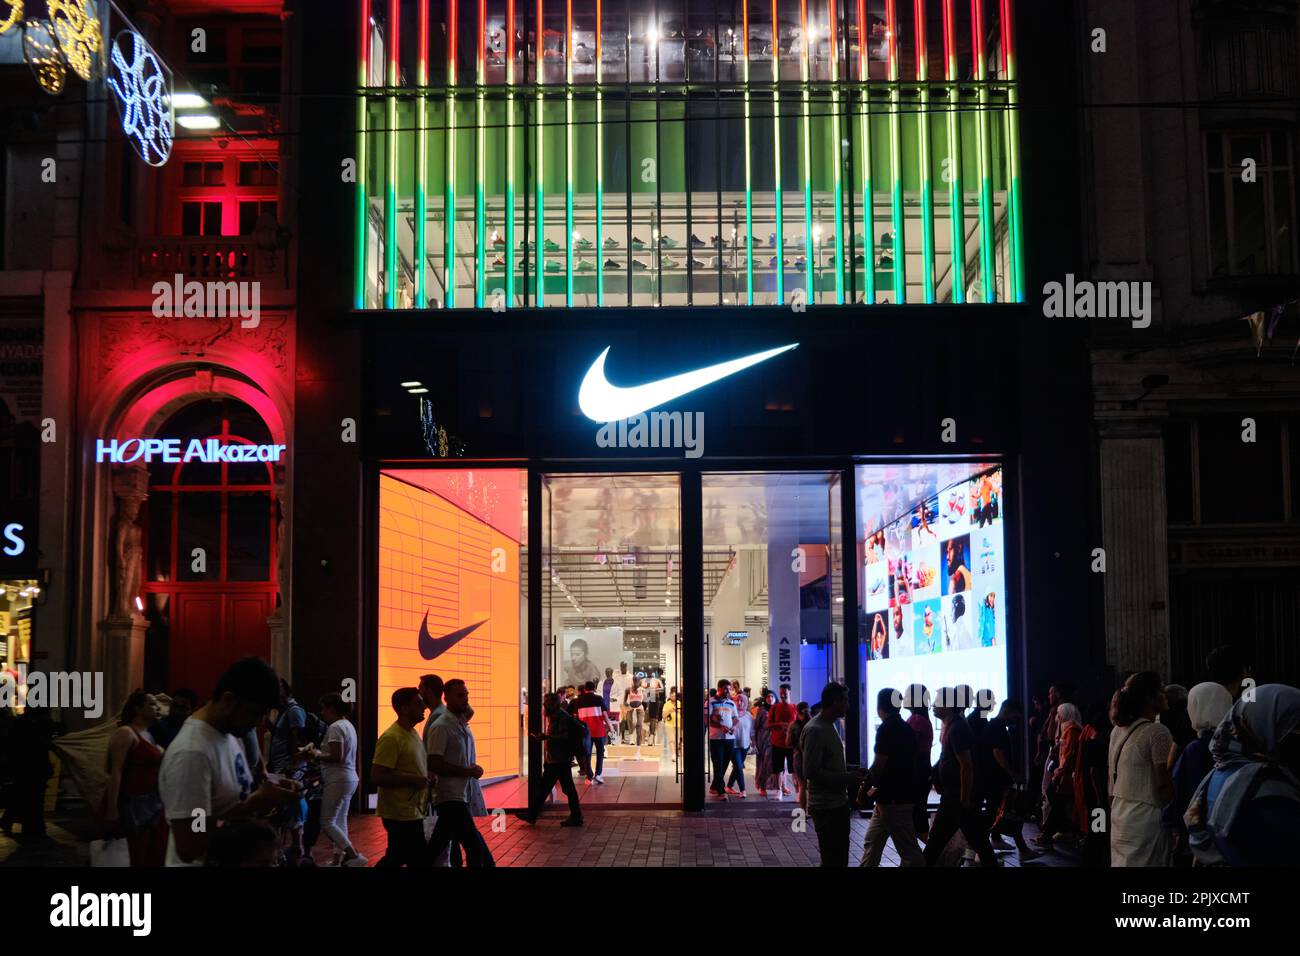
(204, 769)
(345, 734)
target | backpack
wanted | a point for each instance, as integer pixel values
(313, 731)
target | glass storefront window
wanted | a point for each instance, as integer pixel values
(881, 166)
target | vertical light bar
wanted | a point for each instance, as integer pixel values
(776, 146)
(868, 187)
(809, 255)
(422, 163)
(600, 170)
(449, 179)
(568, 153)
(987, 269)
(956, 190)
(835, 137)
(363, 202)
(480, 121)
(510, 155)
(1013, 149)
(896, 154)
(749, 181)
(390, 185)
(539, 238)
(923, 158)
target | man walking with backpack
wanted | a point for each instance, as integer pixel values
(561, 742)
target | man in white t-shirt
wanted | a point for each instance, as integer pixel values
(722, 736)
(204, 780)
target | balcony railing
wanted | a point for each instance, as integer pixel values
(209, 257)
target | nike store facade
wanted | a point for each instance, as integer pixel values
(678, 352)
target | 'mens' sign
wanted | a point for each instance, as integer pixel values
(208, 451)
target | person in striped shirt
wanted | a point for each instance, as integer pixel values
(591, 711)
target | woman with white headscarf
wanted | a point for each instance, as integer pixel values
(1207, 704)
(1060, 789)
(1246, 812)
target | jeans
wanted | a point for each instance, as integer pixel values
(833, 834)
(952, 816)
(455, 823)
(738, 754)
(553, 773)
(720, 752)
(406, 844)
(334, 810)
(893, 820)
(598, 743)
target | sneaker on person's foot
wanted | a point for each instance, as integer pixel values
(600, 778)
(741, 794)
(587, 780)
(357, 860)
(732, 790)
(571, 822)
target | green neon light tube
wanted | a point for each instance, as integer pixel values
(362, 226)
(600, 171)
(956, 193)
(449, 195)
(896, 157)
(390, 184)
(1018, 283)
(422, 164)
(510, 154)
(776, 147)
(987, 268)
(835, 138)
(923, 149)
(868, 188)
(809, 246)
(568, 153)
(540, 233)
(480, 209)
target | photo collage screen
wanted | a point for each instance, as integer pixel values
(935, 596)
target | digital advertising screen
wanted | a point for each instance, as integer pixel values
(935, 596)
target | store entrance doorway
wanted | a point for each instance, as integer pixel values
(612, 617)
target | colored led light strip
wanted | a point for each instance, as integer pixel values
(362, 226)
(422, 163)
(600, 170)
(449, 193)
(896, 155)
(835, 138)
(868, 189)
(390, 185)
(510, 154)
(956, 196)
(1018, 283)
(776, 149)
(539, 234)
(987, 273)
(568, 153)
(749, 177)
(809, 252)
(480, 207)
(923, 158)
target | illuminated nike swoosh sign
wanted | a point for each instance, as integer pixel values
(603, 402)
(431, 647)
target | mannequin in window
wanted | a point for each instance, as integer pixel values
(128, 553)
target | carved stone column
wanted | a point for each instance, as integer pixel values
(278, 620)
(124, 629)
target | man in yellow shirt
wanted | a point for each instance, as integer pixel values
(401, 774)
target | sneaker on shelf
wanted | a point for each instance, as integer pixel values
(553, 266)
(771, 240)
(696, 242)
(697, 264)
(858, 260)
(584, 243)
(667, 242)
(611, 243)
(771, 263)
(799, 263)
(586, 265)
(523, 265)
(611, 264)
(637, 243)
(669, 262)
(550, 245)
(886, 262)
(886, 241)
(639, 266)
(498, 264)
(499, 242)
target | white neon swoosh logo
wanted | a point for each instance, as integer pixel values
(602, 402)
